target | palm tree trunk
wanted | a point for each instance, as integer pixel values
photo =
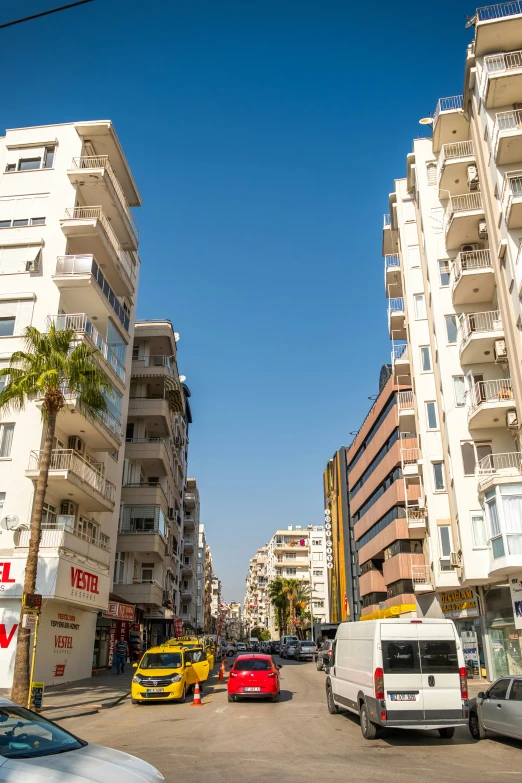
(20, 690)
(292, 611)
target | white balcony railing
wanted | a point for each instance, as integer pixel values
(512, 188)
(415, 515)
(392, 261)
(102, 162)
(475, 323)
(505, 121)
(466, 202)
(504, 61)
(80, 323)
(386, 223)
(69, 460)
(158, 360)
(509, 464)
(499, 10)
(399, 351)
(454, 103)
(396, 305)
(97, 213)
(499, 390)
(470, 262)
(421, 575)
(53, 535)
(453, 151)
(405, 400)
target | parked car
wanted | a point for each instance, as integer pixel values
(401, 673)
(254, 676)
(285, 642)
(324, 655)
(167, 673)
(274, 647)
(229, 649)
(32, 747)
(498, 710)
(306, 651)
(241, 647)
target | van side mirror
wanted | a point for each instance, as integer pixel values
(188, 663)
(481, 695)
(134, 665)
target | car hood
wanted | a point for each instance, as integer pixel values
(90, 764)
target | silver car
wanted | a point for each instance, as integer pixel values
(498, 710)
(33, 747)
(306, 651)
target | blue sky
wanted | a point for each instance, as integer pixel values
(264, 137)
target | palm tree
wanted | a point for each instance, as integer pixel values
(302, 600)
(280, 604)
(290, 589)
(51, 364)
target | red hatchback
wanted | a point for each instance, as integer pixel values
(254, 676)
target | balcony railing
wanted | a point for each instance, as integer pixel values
(386, 221)
(405, 400)
(474, 323)
(70, 460)
(505, 121)
(511, 189)
(421, 575)
(399, 351)
(102, 162)
(447, 104)
(396, 305)
(498, 11)
(509, 464)
(79, 322)
(392, 261)
(469, 262)
(410, 456)
(52, 534)
(97, 213)
(157, 361)
(452, 151)
(415, 514)
(500, 390)
(505, 61)
(85, 265)
(467, 202)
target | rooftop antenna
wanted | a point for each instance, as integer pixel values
(471, 21)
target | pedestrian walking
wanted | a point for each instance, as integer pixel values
(120, 655)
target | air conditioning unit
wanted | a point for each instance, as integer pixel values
(473, 177)
(455, 560)
(500, 351)
(68, 508)
(470, 248)
(482, 229)
(76, 444)
(512, 419)
(177, 441)
(171, 514)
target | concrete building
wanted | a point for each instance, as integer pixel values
(208, 625)
(200, 578)
(189, 561)
(149, 551)
(215, 604)
(231, 615)
(255, 605)
(68, 255)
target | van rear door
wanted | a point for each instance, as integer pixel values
(402, 674)
(439, 672)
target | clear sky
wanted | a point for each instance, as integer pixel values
(264, 136)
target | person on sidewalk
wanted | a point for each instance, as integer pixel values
(120, 655)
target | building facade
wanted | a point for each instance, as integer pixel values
(215, 604)
(255, 604)
(208, 620)
(200, 578)
(68, 256)
(189, 560)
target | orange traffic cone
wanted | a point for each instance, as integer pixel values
(197, 695)
(222, 669)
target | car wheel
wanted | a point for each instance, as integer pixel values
(368, 729)
(333, 709)
(447, 732)
(230, 653)
(136, 701)
(476, 728)
(276, 696)
(231, 698)
(183, 696)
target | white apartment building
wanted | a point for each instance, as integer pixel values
(200, 577)
(68, 255)
(215, 602)
(189, 559)
(255, 605)
(452, 246)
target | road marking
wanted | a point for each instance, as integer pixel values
(221, 710)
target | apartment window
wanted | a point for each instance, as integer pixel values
(319, 587)
(7, 326)
(459, 390)
(445, 543)
(468, 458)
(431, 172)
(184, 609)
(318, 572)
(119, 566)
(317, 556)
(420, 306)
(49, 515)
(135, 351)
(291, 556)
(439, 484)
(19, 258)
(28, 164)
(431, 416)
(478, 529)
(437, 218)
(19, 211)
(87, 529)
(444, 273)
(291, 571)
(6, 440)
(318, 604)
(425, 355)
(48, 157)
(147, 572)
(30, 159)
(451, 328)
(317, 542)
(413, 256)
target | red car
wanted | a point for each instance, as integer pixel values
(254, 676)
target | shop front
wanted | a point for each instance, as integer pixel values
(120, 620)
(463, 607)
(503, 610)
(159, 625)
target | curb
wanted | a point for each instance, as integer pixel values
(114, 702)
(81, 713)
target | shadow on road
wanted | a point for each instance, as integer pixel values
(410, 738)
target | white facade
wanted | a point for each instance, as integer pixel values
(68, 255)
(255, 606)
(216, 600)
(200, 577)
(189, 559)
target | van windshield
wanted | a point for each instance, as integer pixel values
(437, 656)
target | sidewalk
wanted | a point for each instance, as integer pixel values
(86, 697)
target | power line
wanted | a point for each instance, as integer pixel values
(45, 13)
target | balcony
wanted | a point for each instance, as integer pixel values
(390, 243)
(410, 456)
(396, 319)
(417, 519)
(189, 521)
(150, 404)
(498, 27)
(473, 277)
(186, 594)
(496, 469)
(488, 402)
(393, 275)
(507, 137)
(98, 183)
(62, 534)
(400, 360)
(478, 333)
(449, 122)
(154, 367)
(141, 592)
(88, 333)
(501, 83)
(142, 529)
(81, 283)
(511, 199)
(454, 160)
(188, 544)
(145, 493)
(422, 578)
(187, 569)
(406, 408)
(190, 500)
(68, 471)
(153, 449)
(88, 230)
(462, 217)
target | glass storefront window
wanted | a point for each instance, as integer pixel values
(504, 641)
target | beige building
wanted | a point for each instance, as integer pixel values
(189, 559)
(255, 603)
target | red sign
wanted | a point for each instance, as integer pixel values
(59, 670)
(112, 644)
(6, 638)
(120, 611)
(63, 642)
(84, 580)
(178, 627)
(5, 569)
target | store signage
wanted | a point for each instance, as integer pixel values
(7, 635)
(459, 604)
(5, 575)
(63, 643)
(120, 611)
(112, 644)
(515, 586)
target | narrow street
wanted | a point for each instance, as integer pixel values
(296, 739)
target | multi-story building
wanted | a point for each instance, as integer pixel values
(149, 551)
(200, 578)
(215, 603)
(255, 603)
(208, 620)
(231, 619)
(189, 560)
(68, 256)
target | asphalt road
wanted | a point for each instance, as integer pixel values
(296, 740)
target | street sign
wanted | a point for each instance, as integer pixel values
(29, 620)
(32, 601)
(37, 691)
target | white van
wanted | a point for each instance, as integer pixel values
(403, 673)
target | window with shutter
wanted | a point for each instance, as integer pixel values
(431, 171)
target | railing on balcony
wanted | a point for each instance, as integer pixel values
(70, 460)
(104, 417)
(499, 10)
(505, 61)
(505, 121)
(452, 151)
(399, 351)
(447, 104)
(396, 305)
(512, 188)
(500, 390)
(392, 261)
(416, 515)
(405, 400)
(79, 322)
(410, 456)
(85, 265)
(386, 221)
(52, 534)
(157, 361)
(469, 262)
(421, 575)
(475, 323)
(466, 202)
(102, 162)
(97, 213)
(509, 464)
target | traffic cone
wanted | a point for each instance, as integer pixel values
(222, 669)
(197, 695)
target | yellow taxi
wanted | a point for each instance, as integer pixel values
(189, 642)
(168, 672)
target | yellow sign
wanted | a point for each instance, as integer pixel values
(458, 595)
(459, 604)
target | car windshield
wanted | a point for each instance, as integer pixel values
(161, 661)
(24, 734)
(253, 665)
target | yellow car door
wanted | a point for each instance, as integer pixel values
(200, 668)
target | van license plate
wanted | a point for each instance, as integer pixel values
(251, 689)
(154, 690)
(403, 697)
